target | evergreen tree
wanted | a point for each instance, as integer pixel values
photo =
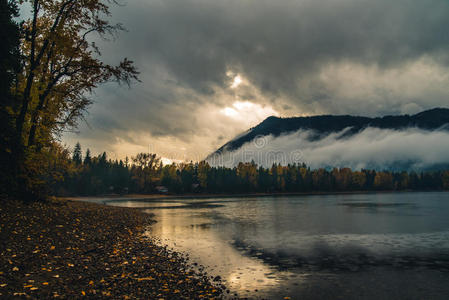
(87, 158)
(77, 154)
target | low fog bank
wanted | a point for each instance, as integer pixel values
(372, 148)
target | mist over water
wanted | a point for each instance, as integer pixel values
(373, 148)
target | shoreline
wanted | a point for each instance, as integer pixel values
(72, 249)
(140, 197)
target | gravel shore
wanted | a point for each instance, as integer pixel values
(74, 249)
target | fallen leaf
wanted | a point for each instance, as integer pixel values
(145, 278)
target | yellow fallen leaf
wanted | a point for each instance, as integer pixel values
(145, 278)
(52, 248)
(83, 293)
(45, 283)
(91, 282)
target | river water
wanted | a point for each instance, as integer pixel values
(356, 246)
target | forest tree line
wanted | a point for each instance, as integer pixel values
(84, 175)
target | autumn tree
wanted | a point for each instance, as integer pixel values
(248, 175)
(60, 68)
(358, 180)
(383, 181)
(146, 170)
(404, 181)
(62, 65)
(203, 174)
(170, 178)
(342, 177)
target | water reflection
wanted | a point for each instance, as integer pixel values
(146, 204)
(195, 232)
(314, 246)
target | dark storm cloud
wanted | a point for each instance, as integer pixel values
(274, 43)
(365, 57)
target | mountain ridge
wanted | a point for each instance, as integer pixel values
(322, 125)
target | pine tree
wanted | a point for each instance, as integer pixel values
(77, 154)
(87, 158)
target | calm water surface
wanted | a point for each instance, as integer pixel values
(366, 246)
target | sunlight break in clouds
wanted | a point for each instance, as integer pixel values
(236, 82)
(245, 110)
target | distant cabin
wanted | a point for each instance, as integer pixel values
(161, 189)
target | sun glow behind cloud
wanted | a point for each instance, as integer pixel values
(247, 111)
(236, 82)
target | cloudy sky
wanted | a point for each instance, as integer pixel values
(211, 69)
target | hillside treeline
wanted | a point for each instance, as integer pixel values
(145, 173)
